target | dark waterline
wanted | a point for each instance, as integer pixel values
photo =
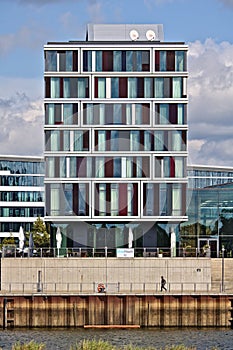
(62, 339)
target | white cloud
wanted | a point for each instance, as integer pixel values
(22, 121)
(211, 102)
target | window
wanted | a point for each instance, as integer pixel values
(134, 140)
(54, 199)
(102, 199)
(171, 113)
(117, 60)
(100, 90)
(116, 113)
(50, 61)
(100, 166)
(101, 146)
(68, 202)
(176, 199)
(114, 200)
(170, 60)
(55, 87)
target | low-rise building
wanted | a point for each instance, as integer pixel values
(21, 193)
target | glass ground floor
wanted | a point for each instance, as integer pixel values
(138, 235)
(210, 223)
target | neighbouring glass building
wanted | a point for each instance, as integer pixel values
(115, 137)
(209, 209)
(21, 193)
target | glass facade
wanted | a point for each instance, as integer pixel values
(21, 193)
(115, 141)
(209, 209)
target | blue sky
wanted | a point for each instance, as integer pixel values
(205, 25)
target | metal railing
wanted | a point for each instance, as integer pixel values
(102, 252)
(114, 288)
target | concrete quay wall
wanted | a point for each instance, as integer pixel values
(123, 275)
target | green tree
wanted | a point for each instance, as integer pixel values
(41, 238)
(8, 241)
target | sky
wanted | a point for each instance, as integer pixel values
(204, 25)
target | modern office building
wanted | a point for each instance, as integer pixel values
(21, 193)
(115, 137)
(209, 209)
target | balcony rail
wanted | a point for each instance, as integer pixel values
(106, 252)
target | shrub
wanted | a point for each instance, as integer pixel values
(29, 346)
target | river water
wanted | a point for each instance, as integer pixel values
(63, 338)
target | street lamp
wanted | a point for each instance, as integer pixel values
(223, 250)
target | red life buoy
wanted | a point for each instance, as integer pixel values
(100, 287)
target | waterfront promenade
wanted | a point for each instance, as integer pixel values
(62, 292)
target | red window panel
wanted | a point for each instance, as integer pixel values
(75, 198)
(108, 167)
(171, 60)
(107, 61)
(81, 167)
(145, 113)
(123, 199)
(108, 199)
(135, 199)
(75, 61)
(173, 113)
(87, 199)
(61, 87)
(47, 87)
(75, 113)
(96, 140)
(57, 111)
(108, 140)
(86, 140)
(141, 136)
(172, 167)
(145, 166)
(96, 88)
(140, 87)
(123, 87)
(171, 87)
(157, 60)
(144, 199)
(97, 199)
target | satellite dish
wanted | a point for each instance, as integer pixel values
(150, 35)
(134, 35)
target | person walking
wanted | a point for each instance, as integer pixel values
(163, 283)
